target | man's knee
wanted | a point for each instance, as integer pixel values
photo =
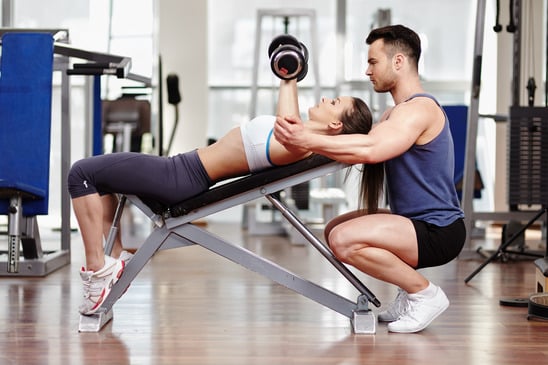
(339, 243)
(327, 231)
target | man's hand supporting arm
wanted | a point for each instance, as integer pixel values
(383, 142)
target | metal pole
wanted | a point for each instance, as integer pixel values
(7, 14)
(472, 128)
(114, 228)
(65, 157)
(516, 76)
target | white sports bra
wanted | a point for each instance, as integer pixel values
(256, 135)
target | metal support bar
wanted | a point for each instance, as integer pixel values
(323, 250)
(106, 64)
(65, 154)
(115, 227)
(7, 13)
(472, 127)
(268, 269)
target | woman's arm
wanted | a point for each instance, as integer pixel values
(288, 105)
(288, 101)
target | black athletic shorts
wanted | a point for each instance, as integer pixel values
(439, 245)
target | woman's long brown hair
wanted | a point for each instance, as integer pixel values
(358, 119)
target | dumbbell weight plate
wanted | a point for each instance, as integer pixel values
(282, 40)
(287, 62)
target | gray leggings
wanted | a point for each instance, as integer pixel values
(166, 180)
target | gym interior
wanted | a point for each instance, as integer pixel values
(242, 275)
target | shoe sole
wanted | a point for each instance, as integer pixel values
(438, 313)
(386, 320)
(106, 290)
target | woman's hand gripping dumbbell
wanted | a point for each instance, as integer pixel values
(288, 58)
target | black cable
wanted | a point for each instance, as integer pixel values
(511, 27)
(497, 28)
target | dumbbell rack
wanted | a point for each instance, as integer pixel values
(312, 48)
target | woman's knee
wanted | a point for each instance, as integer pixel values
(79, 183)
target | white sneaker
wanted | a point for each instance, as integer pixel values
(395, 309)
(97, 284)
(421, 312)
(125, 256)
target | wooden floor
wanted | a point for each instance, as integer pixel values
(189, 306)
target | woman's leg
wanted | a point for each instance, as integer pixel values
(101, 272)
(95, 215)
(89, 213)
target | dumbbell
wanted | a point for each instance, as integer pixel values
(288, 57)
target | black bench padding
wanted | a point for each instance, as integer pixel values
(236, 187)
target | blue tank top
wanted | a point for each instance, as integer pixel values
(420, 181)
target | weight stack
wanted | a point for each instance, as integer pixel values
(528, 157)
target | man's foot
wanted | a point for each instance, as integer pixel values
(97, 284)
(421, 312)
(395, 309)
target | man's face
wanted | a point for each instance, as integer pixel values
(380, 70)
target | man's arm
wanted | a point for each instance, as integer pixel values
(387, 139)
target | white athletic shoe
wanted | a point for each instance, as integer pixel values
(395, 309)
(420, 313)
(97, 284)
(125, 256)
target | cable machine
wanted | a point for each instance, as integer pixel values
(527, 174)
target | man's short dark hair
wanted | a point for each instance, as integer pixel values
(400, 38)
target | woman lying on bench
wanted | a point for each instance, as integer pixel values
(94, 181)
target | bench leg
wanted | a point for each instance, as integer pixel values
(363, 320)
(96, 321)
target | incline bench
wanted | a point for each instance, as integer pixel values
(174, 228)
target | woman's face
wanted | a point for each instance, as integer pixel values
(329, 110)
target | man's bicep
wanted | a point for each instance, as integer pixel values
(391, 139)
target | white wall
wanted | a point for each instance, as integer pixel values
(182, 43)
